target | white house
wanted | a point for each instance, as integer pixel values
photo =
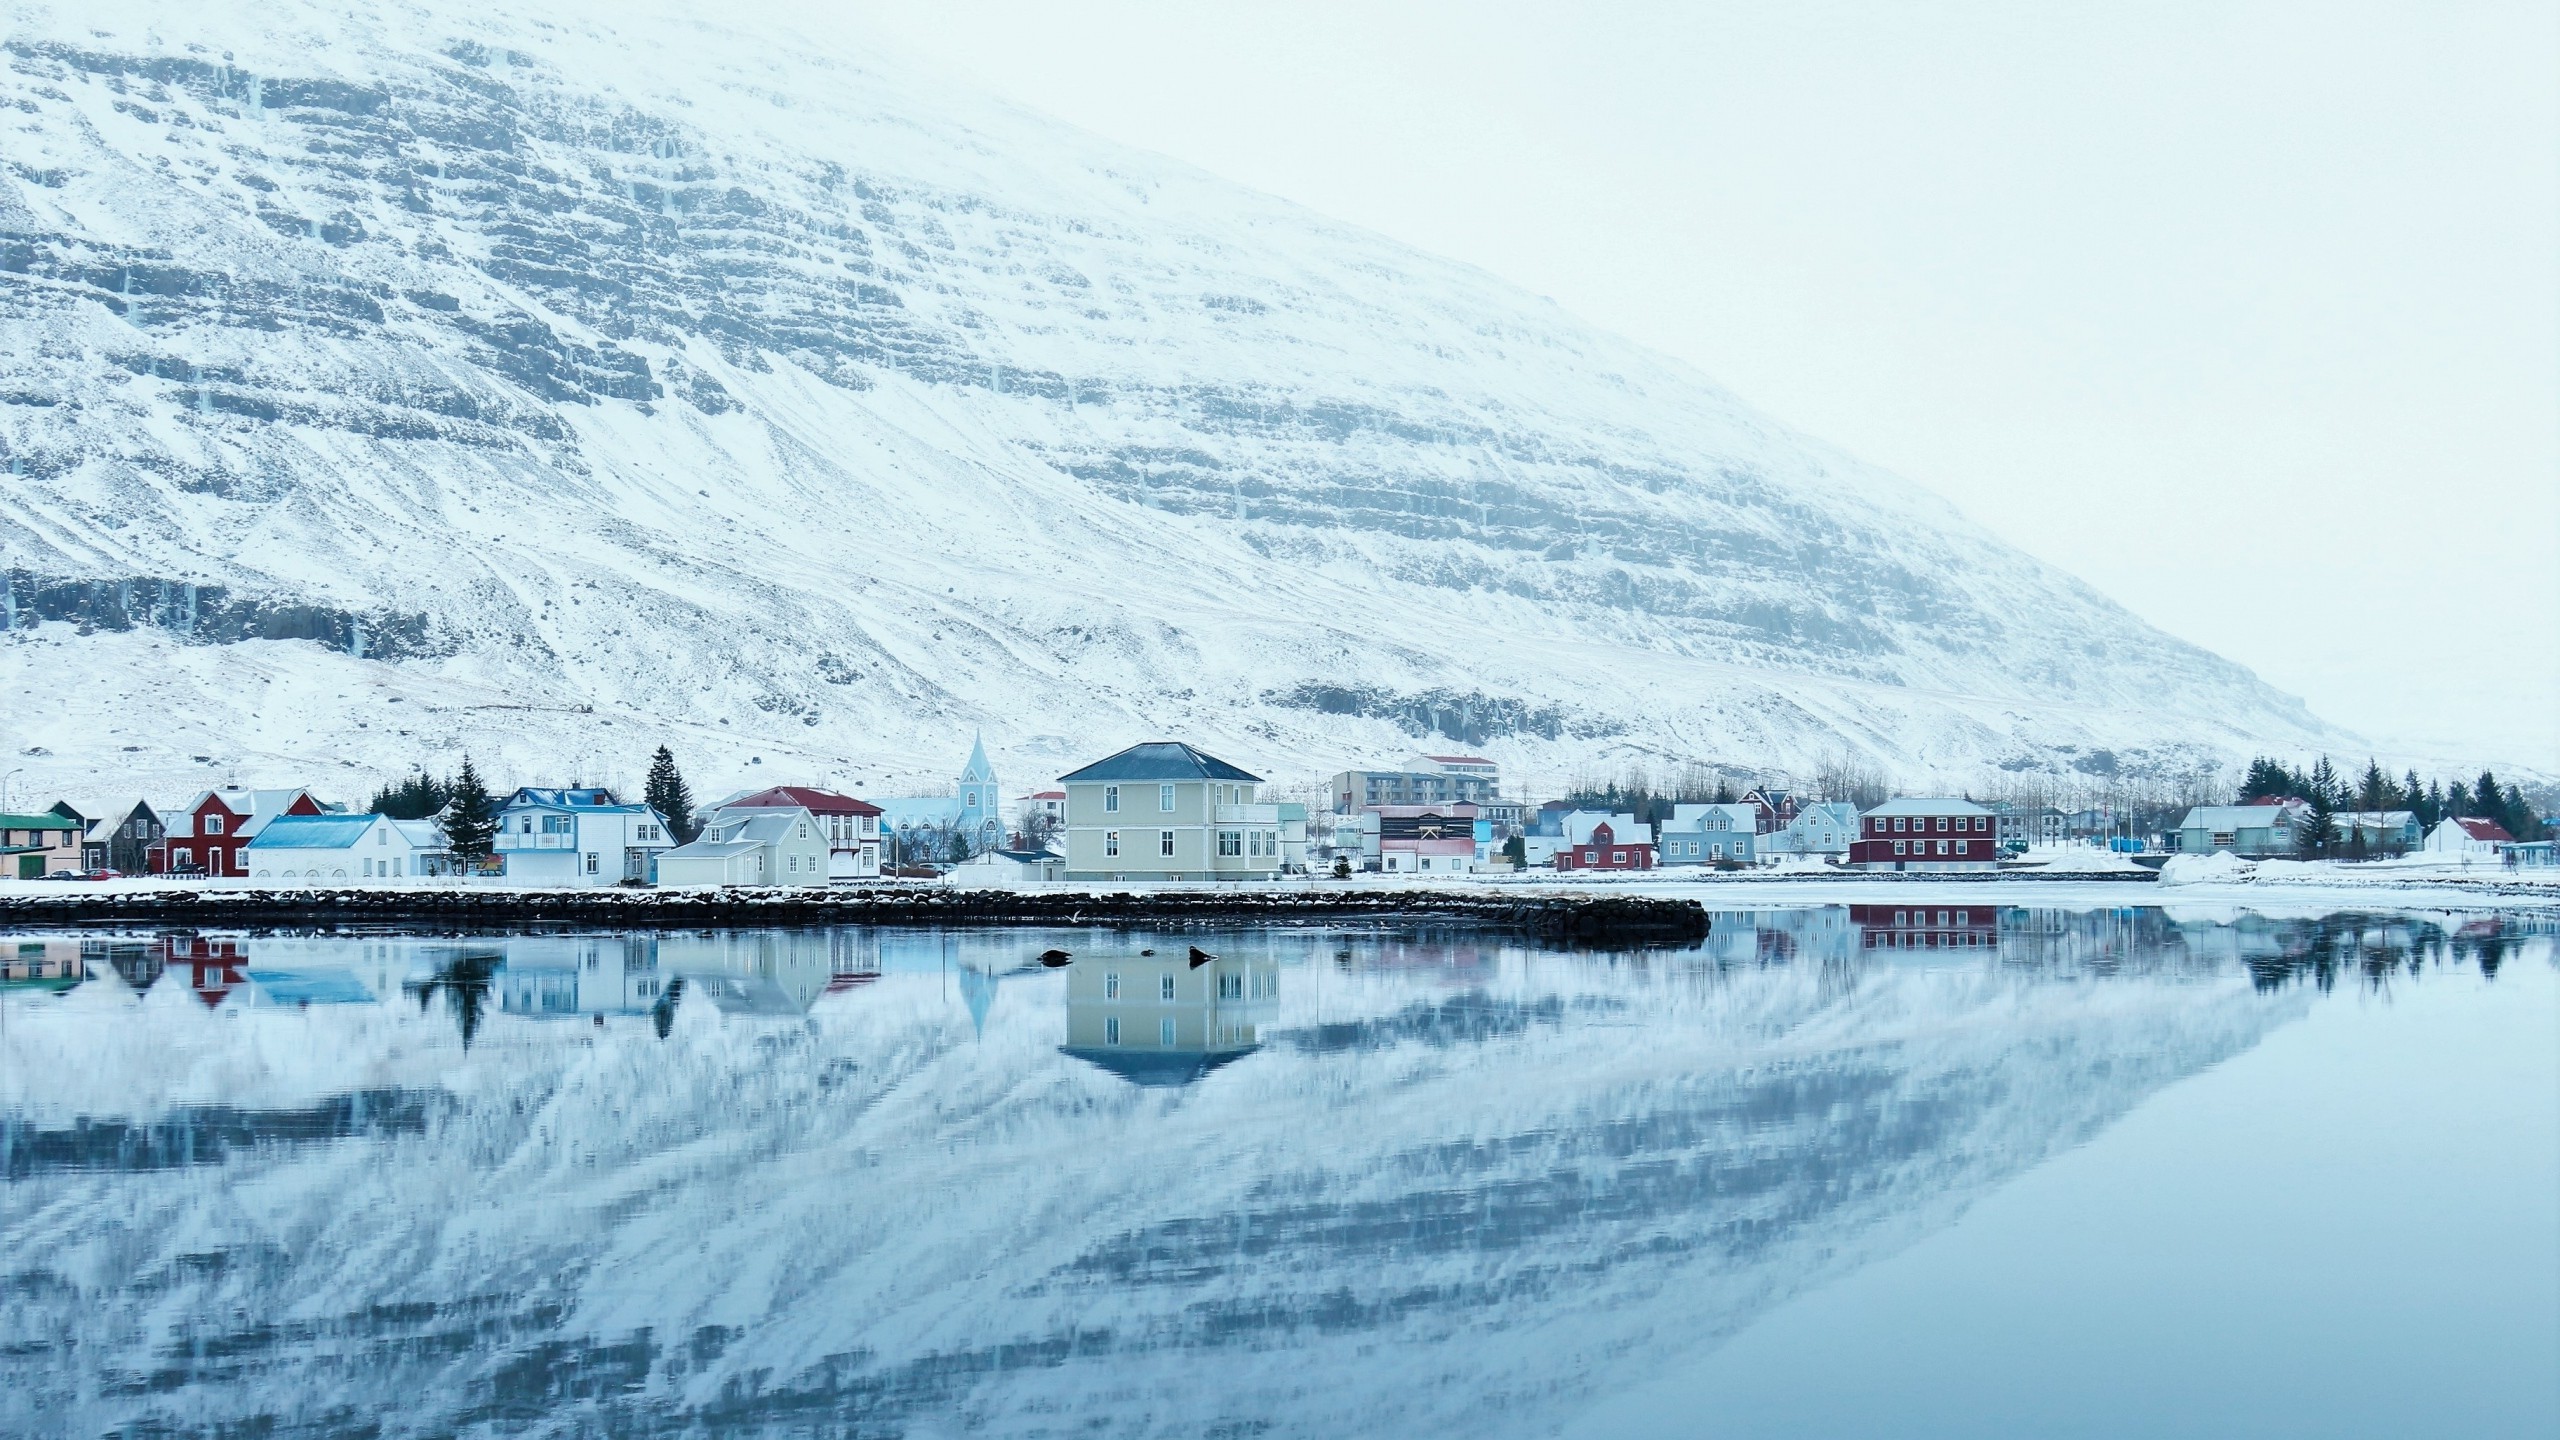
(765, 845)
(2467, 836)
(1007, 869)
(577, 836)
(1821, 829)
(1575, 827)
(1706, 834)
(331, 849)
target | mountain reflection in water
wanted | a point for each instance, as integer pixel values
(885, 1182)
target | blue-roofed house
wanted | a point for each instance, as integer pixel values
(1167, 811)
(578, 835)
(342, 849)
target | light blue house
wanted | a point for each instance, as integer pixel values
(922, 825)
(578, 836)
(1820, 829)
(1707, 834)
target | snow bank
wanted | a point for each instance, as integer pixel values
(2217, 868)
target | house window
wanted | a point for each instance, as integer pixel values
(1942, 824)
(1899, 846)
(186, 858)
(1164, 1032)
(1942, 847)
(1111, 1030)
(1110, 842)
(1897, 824)
(1164, 843)
(1590, 857)
(1164, 801)
(1111, 985)
(1111, 798)
(1164, 987)
(213, 824)
(1231, 843)
(557, 824)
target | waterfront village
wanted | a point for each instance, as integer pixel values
(1167, 812)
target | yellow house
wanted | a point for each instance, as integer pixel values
(1165, 811)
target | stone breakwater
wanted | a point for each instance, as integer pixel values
(1573, 919)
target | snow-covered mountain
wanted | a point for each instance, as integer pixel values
(1462, 1188)
(378, 378)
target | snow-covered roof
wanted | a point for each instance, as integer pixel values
(1925, 805)
(312, 832)
(421, 834)
(1158, 760)
(590, 797)
(2236, 817)
(1692, 816)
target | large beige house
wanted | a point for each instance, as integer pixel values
(1165, 811)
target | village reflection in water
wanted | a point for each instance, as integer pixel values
(1396, 1181)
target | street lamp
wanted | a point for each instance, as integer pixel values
(4, 785)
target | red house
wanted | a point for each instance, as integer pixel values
(1603, 852)
(207, 838)
(1927, 835)
(852, 826)
(1930, 927)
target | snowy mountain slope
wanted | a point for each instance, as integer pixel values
(1458, 1198)
(758, 390)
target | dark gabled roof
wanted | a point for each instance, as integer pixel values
(1159, 760)
(807, 797)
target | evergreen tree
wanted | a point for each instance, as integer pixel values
(2413, 798)
(957, 851)
(667, 794)
(415, 798)
(2521, 822)
(2266, 780)
(2375, 792)
(2457, 801)
(2317, 831)
(471, 823)
(2488, 798)
(2321, 784)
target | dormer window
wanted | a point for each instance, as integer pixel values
(213, 823)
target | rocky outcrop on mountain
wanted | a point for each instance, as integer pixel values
(759, 390)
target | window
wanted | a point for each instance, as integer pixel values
(1898, 846)
(213, 824)
(1942, 824)
(1231, 843)
(1111, 798)
(557, 824)
(1164, 987)
(1942, 847)
(1111, 1030)
(1110, 842)
(1230, 987)
(1164, 1032)
(1164, 801)
(790, 863)
(381, 837)
(1111, 985)
(1590, 857)
(1164, 843)
(1962, 845)
(1897, 824)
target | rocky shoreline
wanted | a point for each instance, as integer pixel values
(1601, 919)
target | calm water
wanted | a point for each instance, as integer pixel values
(1835, 1172)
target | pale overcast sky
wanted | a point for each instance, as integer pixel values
(2247, 314)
